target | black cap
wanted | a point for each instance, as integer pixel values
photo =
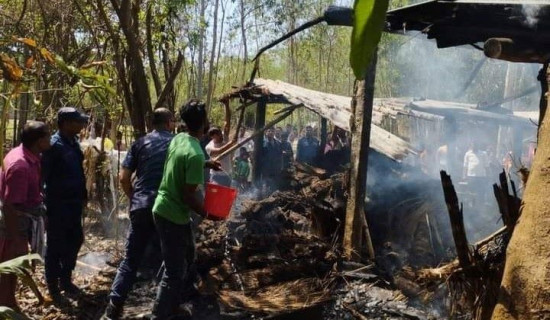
(70, 113)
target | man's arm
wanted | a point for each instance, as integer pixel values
(194, 175)
(129, 165)
(49, 158)
(125, 179)
(213, 151)
(190, 198)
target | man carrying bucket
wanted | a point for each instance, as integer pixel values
(177, 197)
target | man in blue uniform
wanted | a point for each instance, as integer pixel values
(146, 159)
(308, 147)
(65, 191)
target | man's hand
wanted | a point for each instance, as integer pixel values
(213, 164)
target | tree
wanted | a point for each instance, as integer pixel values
(525, 289)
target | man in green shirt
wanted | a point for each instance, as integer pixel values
(177, 197)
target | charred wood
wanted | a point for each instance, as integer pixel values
(457, 221)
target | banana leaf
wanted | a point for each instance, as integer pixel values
(369, 17)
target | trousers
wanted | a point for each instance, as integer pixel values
(178, 252)
(142, 229)
(64, 239)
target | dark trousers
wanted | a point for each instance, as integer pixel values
(178, 251)
(14, 243)
(64, 239)
(142, 230)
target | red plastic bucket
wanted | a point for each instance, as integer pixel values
(218, 200)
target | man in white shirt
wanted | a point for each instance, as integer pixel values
(214, 148)
(475, 170)
(475, 163)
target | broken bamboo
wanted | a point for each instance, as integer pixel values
(508, 205)
(257, 133)
(457, 220)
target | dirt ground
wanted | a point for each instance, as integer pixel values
(277, 258)
(94, 274)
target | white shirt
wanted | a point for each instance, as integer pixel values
(225, 161)
(475, 164)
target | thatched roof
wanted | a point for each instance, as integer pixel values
(337, 110)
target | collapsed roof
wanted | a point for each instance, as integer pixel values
(337, 110)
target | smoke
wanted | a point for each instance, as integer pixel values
(419, 69)
(92, 262)
(531, 13)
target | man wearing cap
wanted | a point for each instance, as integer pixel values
(66, 196)
(20, 200)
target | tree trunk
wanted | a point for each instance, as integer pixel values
(212, 57)
(243, 35)
(356, 229)
(200, 62)
(525, 287)
(219, 49)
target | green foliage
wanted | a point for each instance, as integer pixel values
(10, 314)
(21, 267)
(368, 21)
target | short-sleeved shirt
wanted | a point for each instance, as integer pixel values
(184, 166)
(146, 158)
(20, 178)
(225, 161)
(62, 170)
(307, 150)
(272, 155)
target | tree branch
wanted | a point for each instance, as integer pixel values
(170, 82)
(150, 52)
(23, 11)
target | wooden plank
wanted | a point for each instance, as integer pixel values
(457, 220)
(356, 227)
(256, 134)
(258, 140)
(323, 136)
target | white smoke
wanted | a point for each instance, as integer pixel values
(531, 13)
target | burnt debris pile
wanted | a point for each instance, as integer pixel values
(281, 255)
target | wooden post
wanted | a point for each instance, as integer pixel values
(259, 141)
(457, 220)
(356, 227)
(323, 136)
(543, 77)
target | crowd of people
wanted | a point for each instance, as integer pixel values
(43, 192)
(278, 151)
(477, 165)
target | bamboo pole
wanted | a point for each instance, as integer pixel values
(256, 134)
(356, 229)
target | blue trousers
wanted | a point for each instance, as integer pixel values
(64, 239)
(142, 229)
(178, 252)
